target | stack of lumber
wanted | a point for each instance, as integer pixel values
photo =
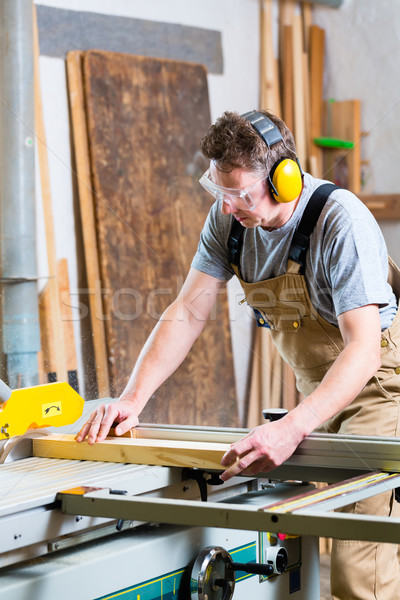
(291, 77)
(291, 86)
(136, 123)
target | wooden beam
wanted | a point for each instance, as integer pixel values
(307, 103)
(300, 135)
(287, 75)
(287, 10)
(47, 365)
(269, 81)
(167, 453)
(306, 13)
(46, 356)
(83, 175)
(317, 49)
(68, 324)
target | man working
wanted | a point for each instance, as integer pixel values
(313, 265)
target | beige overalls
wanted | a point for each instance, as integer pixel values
(309, 344)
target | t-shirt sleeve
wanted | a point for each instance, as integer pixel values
(212, 251)
(356, 261)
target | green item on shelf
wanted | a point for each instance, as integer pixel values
(328, 142)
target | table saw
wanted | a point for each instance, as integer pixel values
(95, 529)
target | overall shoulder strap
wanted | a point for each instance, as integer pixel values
(235, 242)
(307, 223)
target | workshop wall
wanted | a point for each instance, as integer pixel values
(362, 58)
(233, 84)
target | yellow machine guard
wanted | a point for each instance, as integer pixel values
(50, 405)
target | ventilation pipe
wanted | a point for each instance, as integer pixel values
(19, 292)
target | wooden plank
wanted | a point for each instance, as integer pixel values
(87, 214)
(273, 383)
(254, 406)
(266, 378)
(46, 356)
(298, 87)
(306, 13)
(287, 11)
(307, 103)
(287, 76)
(53, 307)
(145, 119)
(317, 50)
(269, 81)
(67, 319)
(47, 364)
(167, 453)
(383, 206)
(343, 166)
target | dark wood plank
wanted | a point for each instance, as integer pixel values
(145, 119)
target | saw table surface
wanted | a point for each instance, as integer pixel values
(33, 482)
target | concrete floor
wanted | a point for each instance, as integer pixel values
(325, 561)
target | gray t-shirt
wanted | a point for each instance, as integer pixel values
(346, 263)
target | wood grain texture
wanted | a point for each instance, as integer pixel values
(300, 134)
(306, 14)
(269, 80)
(86, 207)
(317, 49)
(145, 120)
(287, 75)
(167, 453)
(48, 339)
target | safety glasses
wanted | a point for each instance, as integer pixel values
(244, 199)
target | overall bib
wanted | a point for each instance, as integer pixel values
(310, 345)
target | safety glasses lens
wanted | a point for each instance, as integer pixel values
(236, 198)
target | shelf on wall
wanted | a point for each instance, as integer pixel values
(383, 206)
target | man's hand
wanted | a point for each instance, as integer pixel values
(264, 448)
(101, 420)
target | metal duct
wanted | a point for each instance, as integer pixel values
(19, 294)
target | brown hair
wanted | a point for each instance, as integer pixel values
(233, 143)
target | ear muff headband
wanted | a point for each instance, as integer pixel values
(286, 178)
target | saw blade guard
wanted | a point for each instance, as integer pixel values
(50, 405)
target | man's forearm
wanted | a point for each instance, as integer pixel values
(267, 446)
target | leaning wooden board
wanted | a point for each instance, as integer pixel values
(167, 453)
(146, 117)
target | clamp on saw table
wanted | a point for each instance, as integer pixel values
(35, 408)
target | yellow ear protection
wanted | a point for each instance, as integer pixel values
(285, 179)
